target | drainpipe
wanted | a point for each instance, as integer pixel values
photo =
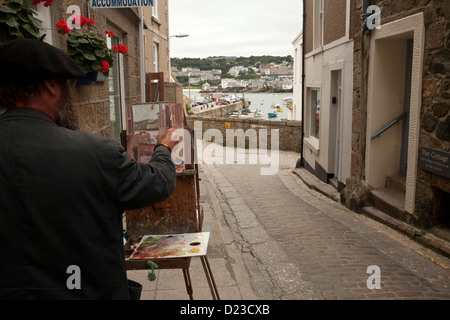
(303, 86)
(364, 16)
(363, 111)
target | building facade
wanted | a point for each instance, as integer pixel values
(400, 130)
(157, 38)
(327, 89)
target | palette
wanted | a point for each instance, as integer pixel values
(171, 246)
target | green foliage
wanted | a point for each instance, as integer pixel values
(17, 21)
(88, 50)
(225, 64)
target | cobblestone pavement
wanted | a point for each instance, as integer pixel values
(298, 244)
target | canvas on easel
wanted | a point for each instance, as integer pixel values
(169, 231)
(180, 213)
(147, 123)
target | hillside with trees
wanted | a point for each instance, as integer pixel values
(226, 63)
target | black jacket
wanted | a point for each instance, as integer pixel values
(62, 195)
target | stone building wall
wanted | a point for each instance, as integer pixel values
(432, 190)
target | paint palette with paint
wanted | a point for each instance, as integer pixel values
(172, 246)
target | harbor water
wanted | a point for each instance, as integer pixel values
(258, 101)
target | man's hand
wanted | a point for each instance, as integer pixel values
(170, 138)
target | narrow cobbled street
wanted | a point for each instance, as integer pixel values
(299, 244)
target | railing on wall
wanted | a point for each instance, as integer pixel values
(390, 125)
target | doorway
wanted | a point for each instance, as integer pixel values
(406, 107)
(393, 104)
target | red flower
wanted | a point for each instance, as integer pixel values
(109, 33)
(62, 27)
(47, 3)
(123, 49)
(83, 21)
(79, 19)
(105, 66)
(90, 21)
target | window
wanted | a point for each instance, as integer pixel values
(155, 57)
(155, 9)
(315, 113)
(115, 88)
(318, 24)
(43, 16)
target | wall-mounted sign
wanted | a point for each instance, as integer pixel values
(121, 3)
(435, 161)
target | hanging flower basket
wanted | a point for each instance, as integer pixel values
(89, 49)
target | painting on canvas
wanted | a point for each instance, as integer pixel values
(172, 246)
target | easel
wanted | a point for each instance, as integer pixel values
(180, 213)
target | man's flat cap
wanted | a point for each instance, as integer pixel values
(27, 61)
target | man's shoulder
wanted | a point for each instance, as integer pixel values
(92, 141)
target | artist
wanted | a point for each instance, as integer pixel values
(63, 191)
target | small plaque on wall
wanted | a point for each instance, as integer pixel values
(435, 161)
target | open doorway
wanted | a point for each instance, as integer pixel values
(393, 105)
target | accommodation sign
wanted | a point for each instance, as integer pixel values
(121, 3)
(435, 161)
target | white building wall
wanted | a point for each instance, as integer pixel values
(296, 113)
(318, 70)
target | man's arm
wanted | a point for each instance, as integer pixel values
(140, 184)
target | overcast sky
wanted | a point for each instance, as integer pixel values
(234, 27)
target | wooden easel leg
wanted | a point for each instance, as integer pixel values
(210, 278)
(187, 281)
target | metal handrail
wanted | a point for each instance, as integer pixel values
(393, 123)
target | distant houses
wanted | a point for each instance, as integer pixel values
(273, 76)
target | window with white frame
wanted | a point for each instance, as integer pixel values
(315, 113)
(155, 57)
(116, 87)
(155, 9)
(43, 16)
(318, 24)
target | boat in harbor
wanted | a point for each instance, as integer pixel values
(288, 100)
(235, 114)
(258, 114)
(275, 106)
(279, 109)
(272, 115)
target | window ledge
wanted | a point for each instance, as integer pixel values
(313, 144)
(156, 20)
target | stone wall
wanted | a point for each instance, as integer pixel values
(290, 131)
(221, 111)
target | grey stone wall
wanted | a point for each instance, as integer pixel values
(290, 131)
